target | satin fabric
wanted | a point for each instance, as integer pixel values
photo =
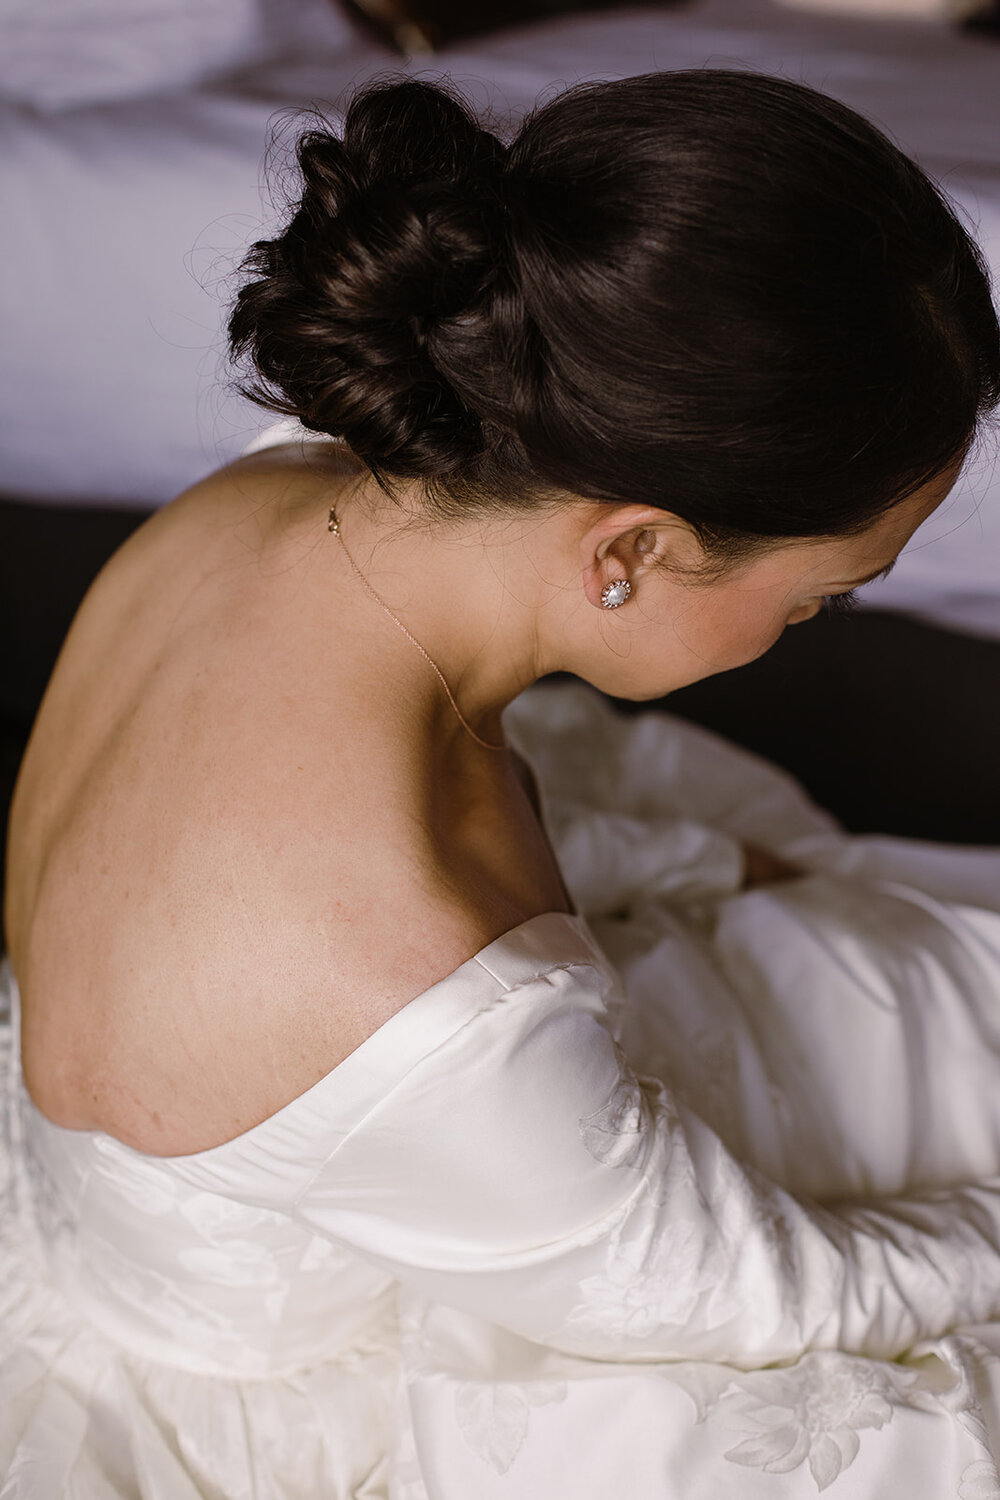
(694, 1193)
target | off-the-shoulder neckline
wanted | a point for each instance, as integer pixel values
(548, 941)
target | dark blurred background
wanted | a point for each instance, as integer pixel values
(415, 25)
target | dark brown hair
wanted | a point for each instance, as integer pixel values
(712, 291)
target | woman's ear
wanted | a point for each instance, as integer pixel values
(627, 543)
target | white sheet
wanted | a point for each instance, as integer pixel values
(61, 54)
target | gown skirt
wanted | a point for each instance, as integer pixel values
(694, 1193)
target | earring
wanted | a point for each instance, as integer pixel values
(616, 593)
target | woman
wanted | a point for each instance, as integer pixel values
(330, 1172)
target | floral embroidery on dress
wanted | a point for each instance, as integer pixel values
(321, 1253)
(706, 1384)
(614, 1133)
(233, 1263)
(980, 1481)
(665, 1274)
(646, 1287)
(811, 1413)
(213, 1215)
(966, 1357)
(494, 1416)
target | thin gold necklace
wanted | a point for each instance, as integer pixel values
(334, 526)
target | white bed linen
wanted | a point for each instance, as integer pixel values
(482, 1258)
(61, 54)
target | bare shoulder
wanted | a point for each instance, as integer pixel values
(283, 469)
(274, 484)
(196, 1009)
(227, 1056)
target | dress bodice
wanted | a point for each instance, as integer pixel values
(200, 1260)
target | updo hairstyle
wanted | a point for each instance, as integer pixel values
(712, 291)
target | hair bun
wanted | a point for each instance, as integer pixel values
(721, 292)
(398, 232)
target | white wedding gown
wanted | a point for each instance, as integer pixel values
(693, 1195)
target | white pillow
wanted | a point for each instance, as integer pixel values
(58, 54)
(122, 229)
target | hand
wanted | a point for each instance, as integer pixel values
(765, 868)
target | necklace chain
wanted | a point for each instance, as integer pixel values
(334, 526)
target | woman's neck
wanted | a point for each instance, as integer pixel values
(474, 595)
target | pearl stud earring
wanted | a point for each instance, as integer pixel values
(616, 593)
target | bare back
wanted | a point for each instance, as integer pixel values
(229, 859)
